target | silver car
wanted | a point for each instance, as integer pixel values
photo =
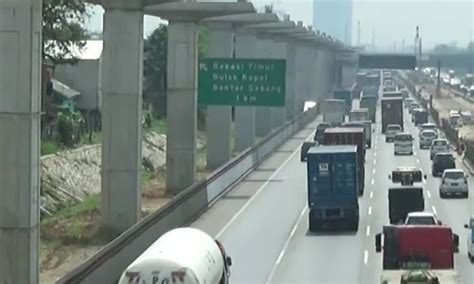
(439, 146)
(391, 131)
(427, 137)
(454, 182)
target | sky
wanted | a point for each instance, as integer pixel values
(440, 21)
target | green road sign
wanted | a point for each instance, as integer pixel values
(242, 82)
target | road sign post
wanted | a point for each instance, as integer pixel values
(242, 82)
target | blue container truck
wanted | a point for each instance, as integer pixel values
(332, 187)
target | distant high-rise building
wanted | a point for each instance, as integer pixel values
(334, 17)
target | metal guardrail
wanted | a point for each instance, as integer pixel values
(109, 262)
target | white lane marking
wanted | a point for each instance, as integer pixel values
(367, 232)
(434, 209)
(285, 246)
(370, 210)
(375, 161)
(366, 256)
(262, 187)
(372, 181)
(428, 193)
(424, 181)
(418, 161)
(373, 171)
(371, 194)
(414, 153)
(375, 154)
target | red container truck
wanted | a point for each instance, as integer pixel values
(350, 136)
(408, 246)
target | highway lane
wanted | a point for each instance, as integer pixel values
(255, 218)
(269, 240)
(453, 212)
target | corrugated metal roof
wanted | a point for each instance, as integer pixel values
(64, 90)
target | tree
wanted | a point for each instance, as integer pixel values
(154, 70)
(63, 29)
(470, 46)
(155, 54)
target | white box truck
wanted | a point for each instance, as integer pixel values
(333, 111)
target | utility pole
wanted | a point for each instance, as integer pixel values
(358, 33)
(420, 53)
(417, 35)
(373, 39)
(438, 83)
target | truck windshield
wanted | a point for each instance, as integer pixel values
(393, 128)
(440, 143)
(428, 134)
(404, 137)
(420, 220)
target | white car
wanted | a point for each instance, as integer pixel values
(422, 218)
(391, 131)
(403, 144)
(454, 182)
(427, 137)
(439, 146)
(428, 126)
(470, 238)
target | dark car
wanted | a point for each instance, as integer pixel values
(319, 134)
(305, 148)
(441, 162)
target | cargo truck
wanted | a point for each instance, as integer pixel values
(359, 115)
(392, 112)
(345, 95)
(370, 103)
(418, 254)
(392, 94)
(367, 125)
(373, 80)
(182, 255)
(332, 187)
(350, 136)
(333, 111)
(370, 91)
(405, 198)
(419, 116)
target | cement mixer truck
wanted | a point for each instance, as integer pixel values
(182, 255)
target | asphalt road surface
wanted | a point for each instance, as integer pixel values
(263, 222)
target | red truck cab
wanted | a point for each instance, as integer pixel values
(350, 136)
(410, 246)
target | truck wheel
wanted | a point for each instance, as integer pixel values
(466, 195)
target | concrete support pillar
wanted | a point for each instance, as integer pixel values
(244, 120)
(264, 115)
(181, 105)
(290, 81)
(122, 77)
(313, 56)
(219, 120)
(20, 105)
(300, 77)
(279, 113)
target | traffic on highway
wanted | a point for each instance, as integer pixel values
(330, 214)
